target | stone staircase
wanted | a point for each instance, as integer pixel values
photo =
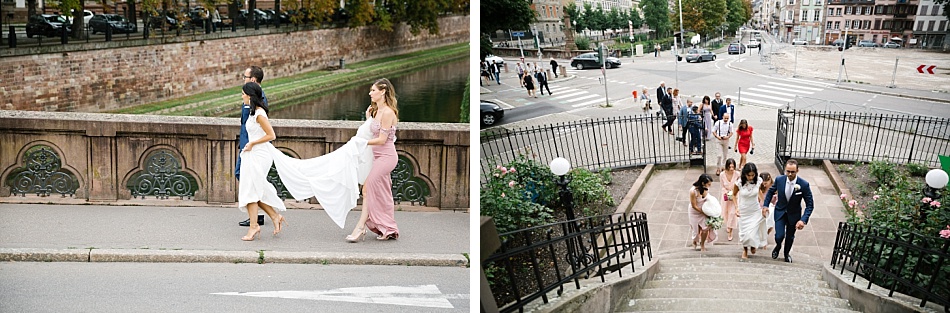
(690, 282)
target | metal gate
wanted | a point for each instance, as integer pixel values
(782, 140)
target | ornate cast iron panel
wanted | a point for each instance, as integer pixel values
(274, 179)
(407, 187)
(162, 178)
(42, 175)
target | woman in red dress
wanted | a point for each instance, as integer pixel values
(744, 142)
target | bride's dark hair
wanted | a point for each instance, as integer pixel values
(254, 91)
(749, 167)
(700, 184)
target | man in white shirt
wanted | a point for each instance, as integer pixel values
(722, 130)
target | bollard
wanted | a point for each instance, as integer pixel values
(506, 67)
(12, 38)
(207, 26)
(63, 35)
(109, 33)
(342, 63)
(257, 23)
(563, 70)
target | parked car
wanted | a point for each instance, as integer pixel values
(799, 41)
(839, 43)
(736, 48)
(118, 23)
(168, 22)
(893, 45)
(867, 43)
(46, 25)
(86, 16)
(495, 59)
(699, 55)
(589, 60)
(754, 43)
(491, 113)
(246, 19)
(284, 18)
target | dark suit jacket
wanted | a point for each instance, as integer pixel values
(660, 92)
(716, 105)
(791, 207)
(731, 110)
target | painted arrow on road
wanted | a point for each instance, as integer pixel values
(421, 296)
(930, 70)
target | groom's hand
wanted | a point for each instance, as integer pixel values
(800, 225)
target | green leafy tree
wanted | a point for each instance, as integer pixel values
(576, 15)
(361, 12)
(634, 16)
(505, 15)
(596, 18)
(737, 14)
(656, 15)
(701, 16)
(614, 20)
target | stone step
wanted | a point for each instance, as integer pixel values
(734, 259)
(765, 283)
(722, 305)
(738, 268)
(736, 279)
(829, 300)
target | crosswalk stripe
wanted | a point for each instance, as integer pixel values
(785, 89)
(587, 103)
(765, 96)
(570, 95)
(773, 104)
(780, 93)
(558, 87)
(795, 86)
(582, 98)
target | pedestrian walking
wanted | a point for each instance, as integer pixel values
(770, 220)
(789, 218)
(542, 77)
(722, 130)
(554, 67)
(728, 108)
(728, 180)
(656, 50)
(645, 100)
(682, 117)
(496, 70)
(744, 141)
(700, 231)
(253, 74)
(521, 70)
(528, 84)
(752, 228)
(707, 118)
(695, 126)
(716, 106)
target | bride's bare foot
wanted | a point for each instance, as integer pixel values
(702, 248)
(745, 254)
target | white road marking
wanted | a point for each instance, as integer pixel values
(757, 95)
(588, 103)
(570, 95)
(582, 98)
(745, 99)
(785, 89)
(795, 86)
(419, 296)
(780, 93)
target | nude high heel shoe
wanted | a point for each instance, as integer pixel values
(251, 236)
(360, 237)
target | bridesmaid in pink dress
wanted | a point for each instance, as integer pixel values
(378, 206)
(700, 233)
(728, 178)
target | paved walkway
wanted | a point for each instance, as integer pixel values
(665, 199)
(207, 234)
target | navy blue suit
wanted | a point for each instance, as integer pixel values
(789, 211)
(242, 138)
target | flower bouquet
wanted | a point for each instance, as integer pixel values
(714, 222)
(713, 212)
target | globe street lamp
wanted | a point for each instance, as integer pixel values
(560, 167)
(936, 181)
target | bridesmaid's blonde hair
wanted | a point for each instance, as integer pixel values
(389, 97)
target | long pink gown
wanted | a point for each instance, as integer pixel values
(729, 219)
(697, 220)
(378, 197)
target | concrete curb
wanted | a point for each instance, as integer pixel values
(211, 256)
(595, 296)
(630, 199)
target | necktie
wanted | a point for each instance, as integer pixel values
(788, 190)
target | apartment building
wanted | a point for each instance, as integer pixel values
(930, 26)
(550, 20)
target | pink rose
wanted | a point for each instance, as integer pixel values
(502, 194)
(843, 196)
(503, 169)
(497, 167)
(935, 204)
(926, 200)
(852, 203)
(875, 197)
(511, 183)
(945, 233)
(511, 170)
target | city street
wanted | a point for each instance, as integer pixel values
(199, 287)
(744, 78)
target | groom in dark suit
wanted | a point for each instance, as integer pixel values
(791, 190)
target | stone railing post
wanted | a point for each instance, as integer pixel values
(222, 186)
(489, 242)
(103, 182)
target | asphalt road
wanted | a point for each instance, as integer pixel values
(164, 287)
(742, 77)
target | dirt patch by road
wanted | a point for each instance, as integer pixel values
(874, 66)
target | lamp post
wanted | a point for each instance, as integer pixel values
(577, 253)
(936, 181)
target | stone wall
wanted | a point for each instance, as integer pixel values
(107, 78)
(101, 155)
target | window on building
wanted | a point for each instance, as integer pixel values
(837, 25)
(828, 26)
(805, 2)
(804, 16)
(831, 12)
(931, 27)
(867, 10)
(838, 12)
(791, 2)
(923, 10)
(867, 24)
(943, 26)
(920, 26)
(877, 24)
(935, 10)
(856, 24)
(817, 15)
(879, 9)
(887, 25)
(847, 10)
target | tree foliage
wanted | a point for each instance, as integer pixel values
(702, 16)
(506, 14)
(656, 15)
(737, 14)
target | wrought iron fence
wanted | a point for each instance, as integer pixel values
(849, 136)
(595, 144)
(906, 262)
(535, 261)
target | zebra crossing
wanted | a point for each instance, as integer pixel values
(775, 94)
(576, 98)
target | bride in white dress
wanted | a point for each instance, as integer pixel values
(752, 228)
(332, 178)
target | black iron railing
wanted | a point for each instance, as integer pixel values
(535, 261)
(594, 144)
(906, 262)
(849, 136)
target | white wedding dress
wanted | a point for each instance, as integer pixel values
(752, 228)
(332, 178)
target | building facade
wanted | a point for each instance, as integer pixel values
(930, 26)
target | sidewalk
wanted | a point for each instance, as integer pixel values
(97, 233)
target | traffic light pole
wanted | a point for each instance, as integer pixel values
(603, 69)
